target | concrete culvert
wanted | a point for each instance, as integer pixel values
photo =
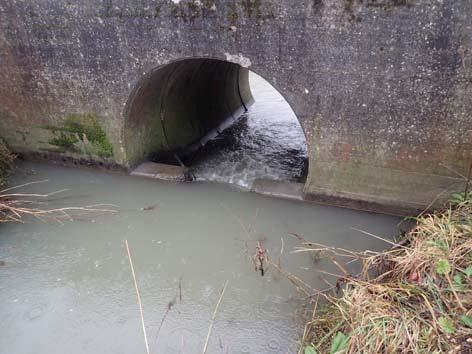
(180, 106)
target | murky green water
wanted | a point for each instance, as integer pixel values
(68, 288)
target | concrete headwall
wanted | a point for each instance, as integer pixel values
(382, 88)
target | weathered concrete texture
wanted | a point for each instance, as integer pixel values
(279, 189)
(382, 88)
(161, 171)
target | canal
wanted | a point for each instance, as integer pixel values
(67, 287)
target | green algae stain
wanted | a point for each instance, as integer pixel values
(64, 141)
(252, 8)
(80, 133)
(188, 11)
(258, 10)
(381, 4)
(232, 13)
(208, 3)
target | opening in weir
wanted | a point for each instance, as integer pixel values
(178, 107)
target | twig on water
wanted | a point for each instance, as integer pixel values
(281, 251)
(381, 238)
(213, 318)
(23, 185)
(18, 206)
(169, 307)
(139, 298)
(300, 284)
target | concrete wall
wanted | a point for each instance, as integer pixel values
(382, 88)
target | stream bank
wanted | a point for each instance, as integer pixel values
(414, 298)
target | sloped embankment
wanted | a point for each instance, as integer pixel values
(414, 298)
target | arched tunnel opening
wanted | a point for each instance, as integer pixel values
(182, 105)
(202, 113)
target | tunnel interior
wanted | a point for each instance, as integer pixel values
(180, 106)
(266, 143)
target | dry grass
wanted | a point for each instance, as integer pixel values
(415, 298)
(19, 207)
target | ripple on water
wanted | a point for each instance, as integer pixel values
(182, 340)
(35, 312)
(200, 223)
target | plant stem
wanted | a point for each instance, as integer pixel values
(213, 319)
(139, 297)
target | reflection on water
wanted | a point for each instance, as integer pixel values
(67, 288)
(267, 142)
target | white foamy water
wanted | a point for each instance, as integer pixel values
(267, 142)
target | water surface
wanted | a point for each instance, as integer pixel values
(267, 142)
(68, 288)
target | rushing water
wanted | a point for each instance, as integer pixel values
(267, 142)
(68, 288)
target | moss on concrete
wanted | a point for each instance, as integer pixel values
(80, 133)
(383, 4)
(187, 11)
(208, 3)
(252, 8)
(388, 4)
(190, 10)
(64, 141)
(232, 13)
(6, 162)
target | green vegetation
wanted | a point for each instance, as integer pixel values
(6, 162)
(414, 298)
(251, 7)
(388, 4)
(383, 4)
(64, 141)
(81, 133)
(188, 11)
(208, 4)
(232, 13)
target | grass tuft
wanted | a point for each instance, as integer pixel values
(414, 298)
